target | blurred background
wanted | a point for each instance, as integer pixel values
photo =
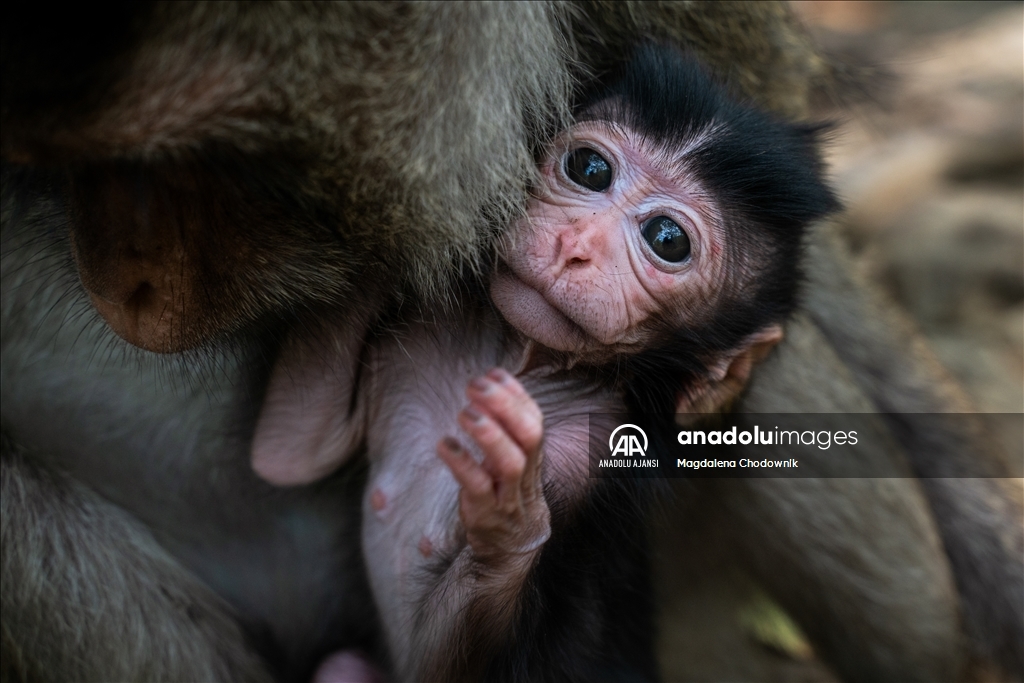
(932, 173)
(930, 165)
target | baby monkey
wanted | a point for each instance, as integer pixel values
(653, 268)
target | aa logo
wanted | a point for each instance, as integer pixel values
(628, 442)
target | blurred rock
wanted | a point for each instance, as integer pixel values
(955, 260)
(934, 187)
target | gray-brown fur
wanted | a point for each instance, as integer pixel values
(978, 508)
(162, 441)
(377, 169)
(911, 630)
(757, 47)
(100, 598)
(858, 563)
(355, 130)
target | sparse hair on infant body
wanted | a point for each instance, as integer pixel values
(654, 267)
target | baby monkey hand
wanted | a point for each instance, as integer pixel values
(502, 503)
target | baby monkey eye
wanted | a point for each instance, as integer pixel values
(668, 241)
(588, 169)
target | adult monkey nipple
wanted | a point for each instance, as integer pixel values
(129, 241)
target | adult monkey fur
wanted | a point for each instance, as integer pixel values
(275, 124)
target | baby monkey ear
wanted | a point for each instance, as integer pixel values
(728, 376)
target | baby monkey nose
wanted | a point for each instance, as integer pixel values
(576, 262)
(576, 244)
(571, 250)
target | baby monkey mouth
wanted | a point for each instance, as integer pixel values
(555, 339)
(533, 314)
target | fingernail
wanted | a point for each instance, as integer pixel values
(452, 444)
(499, 375)
(473, 414)
(480, 384)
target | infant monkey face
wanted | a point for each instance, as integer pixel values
(620, 241)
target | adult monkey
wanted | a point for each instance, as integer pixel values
(241, 164)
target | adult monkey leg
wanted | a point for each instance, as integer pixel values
(857, 562)
(979, 508)
(56, 623)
